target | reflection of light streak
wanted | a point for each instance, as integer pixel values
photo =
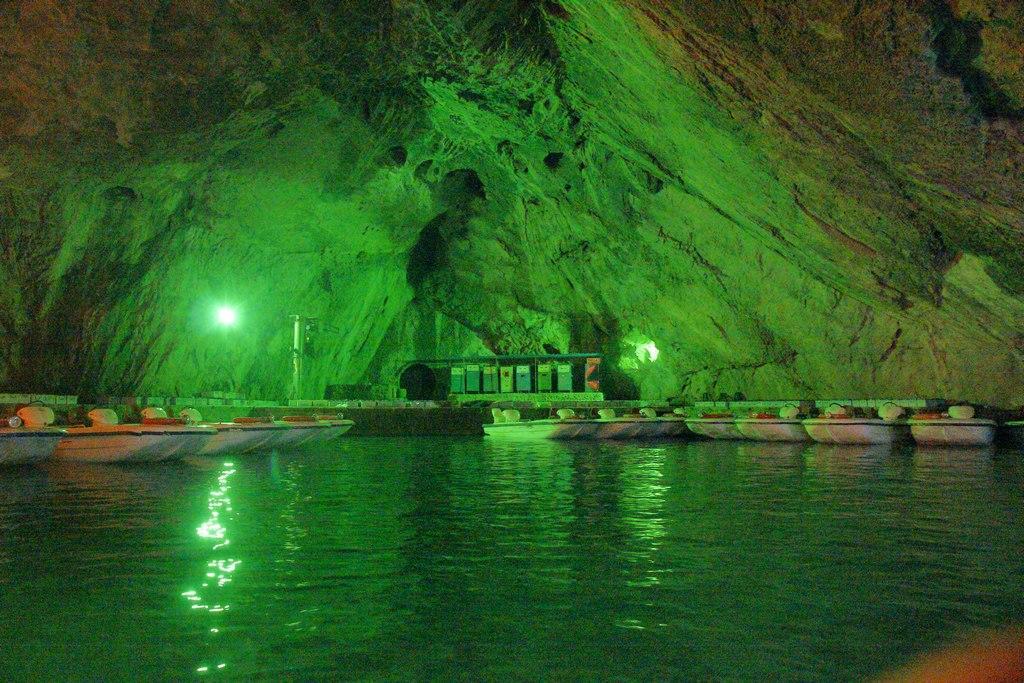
(218, 569)
(644, 500)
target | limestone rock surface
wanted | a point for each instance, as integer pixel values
(813, 198)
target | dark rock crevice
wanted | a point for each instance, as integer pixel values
(957, 44)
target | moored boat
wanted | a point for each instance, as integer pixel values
(28, 437)
(338, 425)
(509, 425)
(646, 424)
(304, 429)
(156, 439)
(838, 426)
(786, 426)
(956, 427)
(715, 426)
(241, 435)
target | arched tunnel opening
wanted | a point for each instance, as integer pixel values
(419, 383)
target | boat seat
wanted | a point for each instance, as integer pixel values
(104, 417)
(36, 417)
(606, 414)
(190, 415)
(511, 415)
(789, 412)
(649, 413)
(836, 410)
(153, 414)
(497, 415)
(566, 414)
(961, 412)
(891, 412)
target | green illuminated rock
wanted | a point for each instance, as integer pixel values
(820, 199)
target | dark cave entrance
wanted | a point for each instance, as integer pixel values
(419, 382)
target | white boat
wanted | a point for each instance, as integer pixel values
(839, 427)
(158, 438)
(956, 427)
(715, 426)
(786, 426)
(28, 437)
(644, 425)
(338, 425)
(304, 429)
(508, 425)
(240, 436)
(531, 430)
(772, 428)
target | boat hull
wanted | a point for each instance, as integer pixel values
(615, 429)
(865, 432)
(131, 443)
(715, 428)
(27, 446)
(625, 428)
(337, 428)
(299, 434)
(238, 439)
(772, 430)
(534, 429)
(952, 432)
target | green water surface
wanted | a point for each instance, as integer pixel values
(468, 559)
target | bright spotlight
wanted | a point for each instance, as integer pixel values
(651, 350)
(227, 316)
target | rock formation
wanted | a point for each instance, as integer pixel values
(787, 199)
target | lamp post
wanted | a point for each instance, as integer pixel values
(227, 316)
(298, 349)
(301, 325)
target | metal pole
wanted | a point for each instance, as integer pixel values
(298, 350)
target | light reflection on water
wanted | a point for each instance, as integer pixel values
(421, 558)
(210, 597)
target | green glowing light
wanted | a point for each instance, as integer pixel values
(650, 349)
(227, 316)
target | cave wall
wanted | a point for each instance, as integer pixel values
(815, 199)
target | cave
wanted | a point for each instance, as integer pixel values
(486, 340)
(364, 167)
